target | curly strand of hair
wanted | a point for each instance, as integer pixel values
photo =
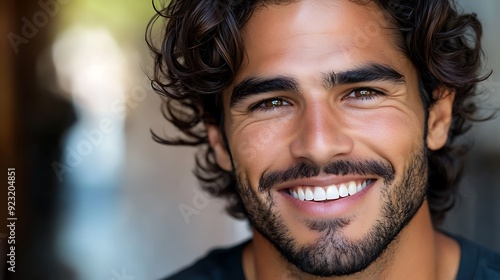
(197, 59)
(447, 48)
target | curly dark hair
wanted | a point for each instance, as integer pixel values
(202, 49)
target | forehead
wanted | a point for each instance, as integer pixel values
(337, 33)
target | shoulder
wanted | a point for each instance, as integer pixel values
(218, 264)
(476, 261)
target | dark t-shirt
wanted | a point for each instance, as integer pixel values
(219, 264)
(476, 263)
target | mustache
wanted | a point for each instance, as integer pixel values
(304, 170)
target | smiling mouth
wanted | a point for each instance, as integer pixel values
(327, 193)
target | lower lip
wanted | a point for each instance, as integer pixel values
(329, 208)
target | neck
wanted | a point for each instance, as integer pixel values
(418, 252)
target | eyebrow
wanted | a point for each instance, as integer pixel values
(252, 86)
(368, 73)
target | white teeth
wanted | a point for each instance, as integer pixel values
(343, 190)
(301, 194)
(329, 193)
(319, 194)
(309, 194)
(332, 192)
(352, 188)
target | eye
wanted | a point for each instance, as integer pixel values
(364, 93)
(269, 104)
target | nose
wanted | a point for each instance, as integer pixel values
(321, 135)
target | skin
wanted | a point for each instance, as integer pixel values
(319, 124)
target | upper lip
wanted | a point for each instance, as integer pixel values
(322, 181)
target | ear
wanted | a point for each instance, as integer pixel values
(217, 143)
(440, 116)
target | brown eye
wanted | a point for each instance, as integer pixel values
(273, 103)
(364, 93)
(270, 104)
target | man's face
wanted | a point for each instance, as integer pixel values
(325, 127)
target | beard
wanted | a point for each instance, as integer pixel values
(333, 253)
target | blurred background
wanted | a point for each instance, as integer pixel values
(97, 199)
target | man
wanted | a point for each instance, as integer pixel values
(330, 127)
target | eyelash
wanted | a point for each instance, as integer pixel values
(374, 94)
(259, 106)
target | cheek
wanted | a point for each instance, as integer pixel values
(259, 145)
(389, 132)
